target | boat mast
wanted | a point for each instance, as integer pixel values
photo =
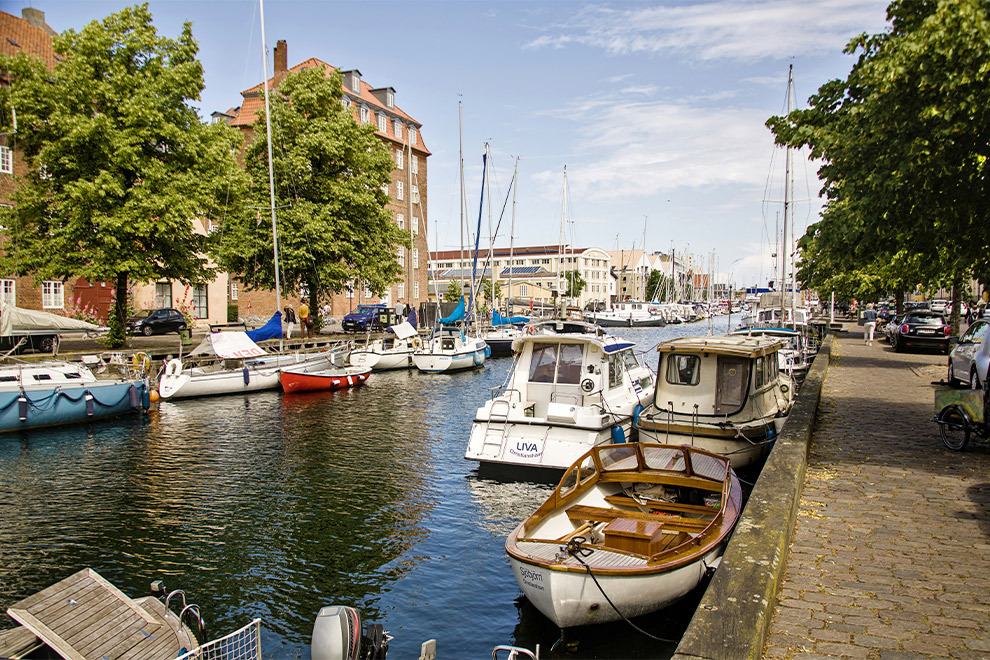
(460, 140)
(512, 231)
(271, 170)
(785, 246)
(560, 251)
(790, 182)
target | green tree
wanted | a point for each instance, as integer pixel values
(453, 292)
(575, 283)
(491, 295)
(903, 143)
(657, 286)
(333, 226)
(121, 164)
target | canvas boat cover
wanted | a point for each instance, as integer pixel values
(498, 319)
(16, 319)
(229, 345)
(456, 315)
(270, 330)
(403, 330)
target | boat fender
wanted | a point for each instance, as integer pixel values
(90, 407)
(22, 408)
(173, 368)
(618, 435)
(488, 351)
(247, 376)
(637, 411)
(146, 396)
(133, 396)
(336, 634)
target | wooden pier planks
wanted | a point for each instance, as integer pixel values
(84, 617)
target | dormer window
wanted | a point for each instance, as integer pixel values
(382, 122)
(412, 135)
(355, 83)
(346, 102)
(365, 114)
(397, 128)
(390, 99)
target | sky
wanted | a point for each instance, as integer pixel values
(656, 109)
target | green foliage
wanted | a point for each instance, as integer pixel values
(575, 283)
(904, 149)
(657, 285)
(232, 313)
(121, 163)
(489, 294)
(453, 292)
(333, 227)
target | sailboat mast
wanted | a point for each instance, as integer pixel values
(793, 245)
(785, 246)
(560, 264)
(271, 170)
(460, 141)
(512, 238)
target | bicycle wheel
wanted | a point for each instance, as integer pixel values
(954, 428)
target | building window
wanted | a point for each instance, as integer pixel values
(346, 102)
(163, 294)
(398, 159)
(6, 160)
(52, 295)
(365, 114)
(415, 252)
(385, 188)
(400, 219)
(415, 194)
(199, 304)
(349, 290)
(523, 290)
(9, 291)
(397, 128)
(400, 290)
(233, 290)
(415, 290)
(400, 192)
(389, 99)
(412, 135)
(414, 164)
(401, 256)
(382, 122)
(415, 226)
(355, 83)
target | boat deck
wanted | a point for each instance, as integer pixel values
(85, 617)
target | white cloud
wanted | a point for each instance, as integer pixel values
(726, 29)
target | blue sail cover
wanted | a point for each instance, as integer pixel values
(498, 319)
(456, 315)
(270, 330)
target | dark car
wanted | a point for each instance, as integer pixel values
(922, 329)
(365, 318)
(156, 321)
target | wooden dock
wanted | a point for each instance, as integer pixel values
(84, 617)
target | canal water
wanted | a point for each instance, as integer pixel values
(272, 506)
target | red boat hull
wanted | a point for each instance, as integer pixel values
(298, 382)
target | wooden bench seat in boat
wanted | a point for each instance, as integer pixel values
(602, 514)
(625, 500)
(619, 476)
(643, 537)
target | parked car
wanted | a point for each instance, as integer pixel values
(969, 359)
(940, 306)
(156, 322)
(890, 329)
(366, 318)
(922, 329)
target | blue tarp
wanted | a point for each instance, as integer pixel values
(498, 319)
(270, 330)
(456, 315)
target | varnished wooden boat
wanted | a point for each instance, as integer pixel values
(630, 529)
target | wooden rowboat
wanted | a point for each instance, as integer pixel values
(630, 529)
(302, 379)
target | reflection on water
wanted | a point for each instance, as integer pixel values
(272, 506)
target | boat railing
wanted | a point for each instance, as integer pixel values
(178, 592)
(243, 644)
(516, 652)
(507, 392)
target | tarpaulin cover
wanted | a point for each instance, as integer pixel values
(498, 319)
(15, 319)
(229, 345)
(270, 330)
(403, 330)
(456, 315)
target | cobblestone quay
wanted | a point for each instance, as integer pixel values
(890, 557)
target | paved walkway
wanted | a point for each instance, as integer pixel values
(890, 558)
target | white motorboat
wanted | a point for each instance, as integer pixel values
(630, 529)
(724, 394)
(449, 349)
(630, 314)
(568, 391)
(393, 351)
(240, 366)
(794, 357)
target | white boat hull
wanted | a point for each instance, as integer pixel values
(571, 598)
(184, 385)
(436, 363)
(740, 452)
(382, 361)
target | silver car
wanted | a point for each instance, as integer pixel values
(968, 361)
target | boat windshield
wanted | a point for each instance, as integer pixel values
(560, 363)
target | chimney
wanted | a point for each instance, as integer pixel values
(34, 17)
(281, 60)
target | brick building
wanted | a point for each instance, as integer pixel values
(407, 189)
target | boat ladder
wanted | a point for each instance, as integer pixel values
(495, 438)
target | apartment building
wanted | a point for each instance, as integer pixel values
(407, 189)
(534, 272)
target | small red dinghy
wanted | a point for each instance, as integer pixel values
(332, 378)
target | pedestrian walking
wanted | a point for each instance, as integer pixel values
(400, 311)
(869, 324)
(305, 325)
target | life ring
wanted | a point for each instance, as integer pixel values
(173, 368)
(530, 330)
(417, 343)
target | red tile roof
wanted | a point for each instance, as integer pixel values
(19, 36)
(254, 101)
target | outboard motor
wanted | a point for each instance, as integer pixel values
(337, 636)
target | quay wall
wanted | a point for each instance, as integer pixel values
(733, 618)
